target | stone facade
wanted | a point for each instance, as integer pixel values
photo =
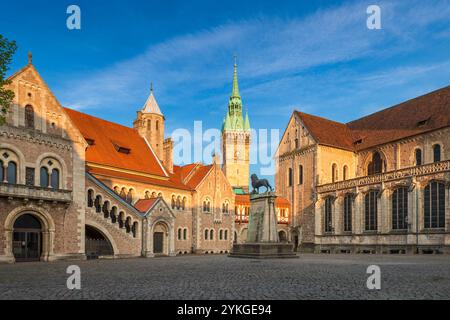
(389, 196)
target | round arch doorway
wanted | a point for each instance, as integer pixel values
(27, 238)
(97, 245)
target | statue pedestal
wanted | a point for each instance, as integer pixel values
(262, 237)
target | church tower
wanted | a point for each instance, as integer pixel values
(150, 125)
(236, 139)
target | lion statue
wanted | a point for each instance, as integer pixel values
(257, 183)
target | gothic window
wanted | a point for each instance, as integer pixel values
(12, 172)
(418, 156)
(185, 234)
(29, 176)
(400, 209)
(55, 179)
(334, 173)
(436, 153)
(226, 235)
(296, 143)
(220, 234)
(328, 215)
(370, 210)
(434, 205)
(376, 165)
(206, 234)
(211, 234)
(348, 201)
(29, 117)
(179, 233)
(300, 174)
(345, 173)
(290, 173)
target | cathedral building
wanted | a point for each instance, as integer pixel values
(379, 184)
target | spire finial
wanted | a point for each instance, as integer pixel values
(30, 58)
(235, 92)
(151, 87)
(235, 61)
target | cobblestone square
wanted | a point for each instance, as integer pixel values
(221, 277)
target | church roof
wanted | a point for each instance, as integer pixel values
(416, 116)
(116, 146)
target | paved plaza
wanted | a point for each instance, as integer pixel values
(220, 277)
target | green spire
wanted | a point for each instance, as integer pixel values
(235, 92)
(247, 123)
(227, 122)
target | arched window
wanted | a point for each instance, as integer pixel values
(134, 229)
(183, 203)
(130, 196)
(123, 193)
(185, 234)
(434, 205)
(328, 215)
(206, 234)
(418, 156)
(220, 234)
(348, 200)
(400, 209)
(12, 172)
(113, 215)
(211, 234)
(29, 117)
(154, 195)
(300, 174)
(179, 233)
(345, 173)
(226, 235)
(44, 177)
(178, 203)
(105, 209)
(334, 173)
(128, 224)
(157, 125)
(370, 210)
(55, 179)
(98, 204)
(121, 219)
(172, 203)
(376, 165)
(436, 153)
(147, 195)
(290, 174)
(90, 199)
(149, 124)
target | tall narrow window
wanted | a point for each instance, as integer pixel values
(173, 202)
(418, 156)
(400, 209)
(376, 165)
(437, 153)
(371, 211)
(90, 198)
(206, 234)
(290, 177)
(2, 170)
(12, 172)
(157, 125)
(348, 200)
(334, 176)
(29, 117)
(55, 179)
(328, 215)
(345, 173)
(211, 234)
(179, 233)
(184, 234)
(130, 196)
(29, 176)
(300, 174)
(434, 205)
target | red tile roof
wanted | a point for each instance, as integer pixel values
(107, 137)
(143, 205)
(244, 199)
(198, 176)
(419, 115)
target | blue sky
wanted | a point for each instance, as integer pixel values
(314, 56)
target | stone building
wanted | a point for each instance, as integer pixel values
(74, 186)
(377, 184)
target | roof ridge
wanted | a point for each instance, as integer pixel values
(98, 118)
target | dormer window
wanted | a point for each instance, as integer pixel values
(359, 141)
(423, 122)
(121, 149)
(90, 141)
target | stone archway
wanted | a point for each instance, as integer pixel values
(282, 236)
(161, 239)
(98, 243)
(21, 236)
